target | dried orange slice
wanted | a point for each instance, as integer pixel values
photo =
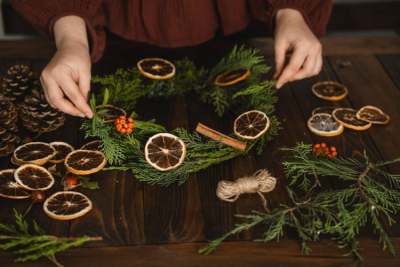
(324, 125)
(156, 68)
(330, 90)
(93, 145)
(109, 112)
(373, 114)
(323, 110)
(348, 117)
(9, 188)
(231, 77)
(85, 162)
(33, 177)
(67, 205)
(165, 151)
(34, 152)
(62, 150)
(251, 124)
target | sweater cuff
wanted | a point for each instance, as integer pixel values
(96, 34)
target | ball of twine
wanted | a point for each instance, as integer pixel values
(260, 182)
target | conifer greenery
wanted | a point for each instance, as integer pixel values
(126, 86)
(366, 195)
(30, 242)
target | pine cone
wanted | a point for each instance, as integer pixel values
(8, 115)
(8, 142)
(18, 80)
(37, 115)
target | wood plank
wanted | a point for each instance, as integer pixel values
(369, 84)
(236, 254)
(391, 63)
(340, 45)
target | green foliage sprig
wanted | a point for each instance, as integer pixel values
(367, 193)
(126, 87)
(201, 154)
(30, 242)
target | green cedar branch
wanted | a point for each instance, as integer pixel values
(30, 242)
(367, 195)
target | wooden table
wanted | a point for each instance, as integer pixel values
(146, 225)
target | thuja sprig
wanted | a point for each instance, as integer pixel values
(305, 217)
(201, 154)
(367, 193)
(253, 93)
(30, 242)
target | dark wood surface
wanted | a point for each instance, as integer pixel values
(146, 225)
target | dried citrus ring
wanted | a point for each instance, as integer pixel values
(67, 205)
(34, 152)
(231, 77)
(156, 68)
(251, 124)
(33, 177)
(373, 114)
(323, 110)
(109, 112)
(330, 90)
(348, 117)
(62, 150)
(93, 145)
(85, 162)
(324, 125)
(165, 151)
(9, 188)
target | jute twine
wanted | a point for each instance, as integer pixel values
(260, 182)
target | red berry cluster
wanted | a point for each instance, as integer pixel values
(124, 125)
(70, 182)
(324, 149)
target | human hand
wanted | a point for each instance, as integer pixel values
(292, 34)
(66, 79)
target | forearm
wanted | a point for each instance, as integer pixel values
(70, 30)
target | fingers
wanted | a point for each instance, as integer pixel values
(318, 66)
(307, 70)
(305, 62)
(72, 91)
(280, 54)
(84, 83)
(56, 99)
(293, 67)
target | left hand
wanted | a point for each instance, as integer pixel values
(292, 34)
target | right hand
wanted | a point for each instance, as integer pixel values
(66, 79)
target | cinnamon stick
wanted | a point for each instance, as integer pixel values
(220, 137)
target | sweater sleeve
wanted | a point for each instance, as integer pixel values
(42, 14)
(315, 12)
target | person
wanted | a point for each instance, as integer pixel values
(78, 29)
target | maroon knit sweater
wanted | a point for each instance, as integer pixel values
(167, 23)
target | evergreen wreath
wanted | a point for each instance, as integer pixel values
(126, 86)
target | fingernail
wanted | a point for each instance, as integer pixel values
(81, 115)
(89, 114)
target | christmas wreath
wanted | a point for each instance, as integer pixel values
(237, 82)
